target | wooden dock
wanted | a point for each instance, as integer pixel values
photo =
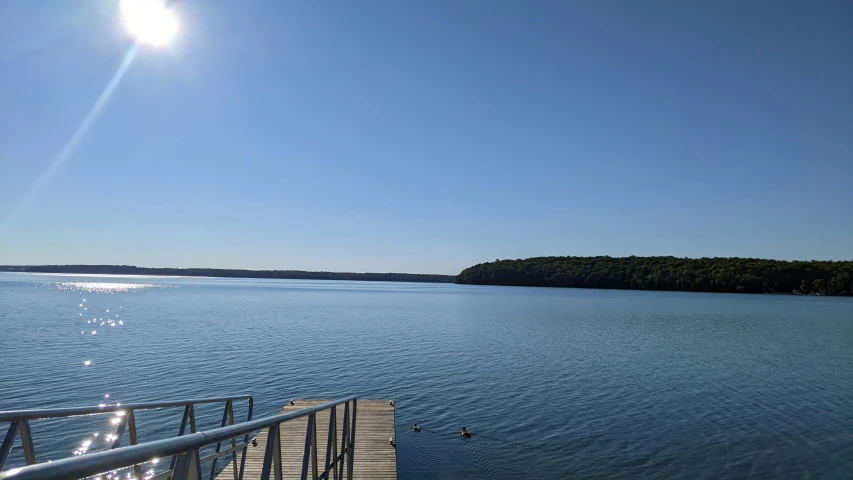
(374, 457)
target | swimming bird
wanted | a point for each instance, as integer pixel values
(465, 433)
(416, 428)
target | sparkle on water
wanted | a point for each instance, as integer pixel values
(100, 287)
(104, 287)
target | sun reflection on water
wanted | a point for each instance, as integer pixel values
(105, 287)
(108, 434)
(114, 421)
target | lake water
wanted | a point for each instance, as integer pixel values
(557, 383)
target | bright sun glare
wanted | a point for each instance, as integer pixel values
(149, 21)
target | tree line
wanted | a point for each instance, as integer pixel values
(231, 273)
(731, 275)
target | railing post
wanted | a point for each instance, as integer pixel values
(196, 468)
(120, 431)
(308, 441)
(314, 447)
(182, 466)
(335, 446)
(344, 442)
(352, 440)
(181, 433)
(8, 441)
(233, 442)
(219, 444)
(188, 466)
(193, 428)
(269, 452)
(332, 431)
(189, 412)
(131, 425)
(246, 439)
(278, 464)
(27, 440)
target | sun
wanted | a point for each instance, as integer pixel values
(149, 21)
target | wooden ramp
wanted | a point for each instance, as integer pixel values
(374, 457)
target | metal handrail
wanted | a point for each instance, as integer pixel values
(186, 449)
(19, 422)
(12, 415)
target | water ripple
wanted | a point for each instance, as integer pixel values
(553, 383)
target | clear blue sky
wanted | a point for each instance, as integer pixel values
(427, 136)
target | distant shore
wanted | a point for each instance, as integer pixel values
(228, 273)
(718, 275)
(715, 275)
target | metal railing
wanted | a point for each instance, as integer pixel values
(188, 464)
(19, 422)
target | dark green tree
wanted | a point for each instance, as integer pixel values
(747, 275)
(841, 283)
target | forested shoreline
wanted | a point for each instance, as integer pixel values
(229, 273)
(724, 275)
(729, 275)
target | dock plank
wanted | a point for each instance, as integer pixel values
(374, 457)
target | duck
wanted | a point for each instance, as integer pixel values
(465, 433)
(416, 428)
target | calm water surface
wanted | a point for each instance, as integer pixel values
(553, 383)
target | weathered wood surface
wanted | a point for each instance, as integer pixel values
(374, 457)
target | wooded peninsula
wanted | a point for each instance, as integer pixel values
(730, 275)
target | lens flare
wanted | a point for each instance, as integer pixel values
(149, 21)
